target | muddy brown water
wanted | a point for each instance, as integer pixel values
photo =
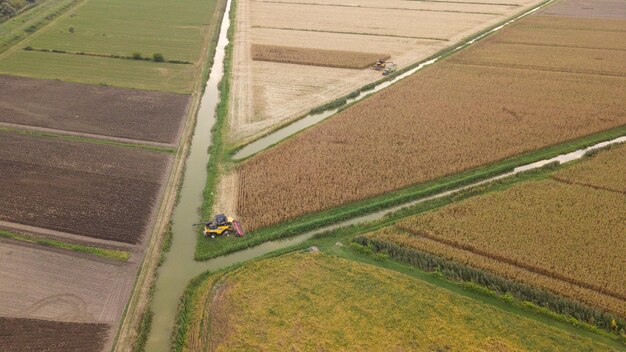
(312, 119)
(180, 266)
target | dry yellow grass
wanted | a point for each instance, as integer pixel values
(606, 171)
(315, 302)
(315, 57)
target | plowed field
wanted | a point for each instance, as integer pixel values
(87, 189)
(29, 335)
(116, 112)
(480, 106)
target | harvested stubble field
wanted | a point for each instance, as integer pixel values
(54, 284)
(29, 335)
(408, 31)
(94, 190)
(109, 111)
(315, 57)
(348, 306)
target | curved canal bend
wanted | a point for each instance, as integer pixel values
(180, 266)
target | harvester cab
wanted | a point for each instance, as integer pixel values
(379, 65)
(222, 226)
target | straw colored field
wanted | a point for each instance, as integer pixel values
(49, 336)
(87, 189)
(605, 171)
(318, 302)
(315, 57)
(266, 95)
(173, 28)
(442, 121)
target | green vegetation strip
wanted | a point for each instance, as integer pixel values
(42, 134)
(211, 248)
(107, 253)
(18, 28)
(136, 56)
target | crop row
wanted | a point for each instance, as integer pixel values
(315, 57)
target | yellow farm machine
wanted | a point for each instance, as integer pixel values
(386, 66)
(221, 226)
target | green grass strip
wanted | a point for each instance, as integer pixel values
(154, 148)
(107, 253)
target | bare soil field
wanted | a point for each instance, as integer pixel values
(93, 190)
(109, 111)
(30, 335)
(588, 9)
(315, 57)
(263, 95)
(44, 283)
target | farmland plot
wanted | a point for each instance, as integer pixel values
(93, 190)
(114, 31)
(263, 93)
(116, 112)
(50, 336)
(348, 306)
(328, 58)
(460, 117)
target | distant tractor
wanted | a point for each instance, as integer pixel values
(222, 226)
(390, 67)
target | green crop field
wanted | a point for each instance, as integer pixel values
(99, 70)
(174, 28)
(314, 301)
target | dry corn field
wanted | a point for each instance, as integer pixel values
(565, 237)
(269, 94)
(446, 119)
(315, 57)
(603, 171)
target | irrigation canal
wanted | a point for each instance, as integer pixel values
(180, 266)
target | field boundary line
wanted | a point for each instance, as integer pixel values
(557, 45)
(538, 68)
(52, 133)
(115, 254)
(466, 2)
(583, 184)
(350, 33)
(375, 7)
(500, 258)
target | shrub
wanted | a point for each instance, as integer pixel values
(158, 57)
(137, 56)
(71, 29)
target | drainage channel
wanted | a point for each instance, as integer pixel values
(312, 119)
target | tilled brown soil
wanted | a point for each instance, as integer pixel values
(94, 190)
(109, 111)
(17, 335)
